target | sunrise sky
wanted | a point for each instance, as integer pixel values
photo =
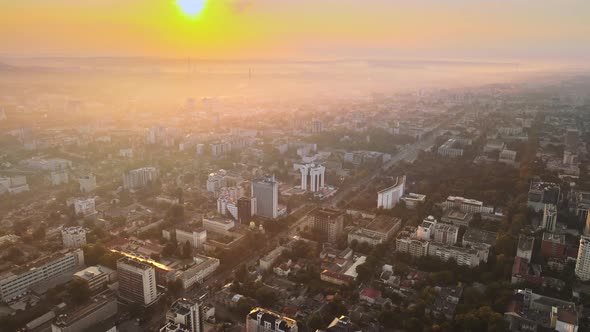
(237, 29)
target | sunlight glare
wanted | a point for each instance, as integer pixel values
(191, 7)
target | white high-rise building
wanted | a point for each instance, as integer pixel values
(266, 192)
(583, 261)
(85, 207)
(73, 237)
(549, 217)
(87, 183)
(184, 315)
(140, 177)
(314, 175)
(389, 197)
(137, 281)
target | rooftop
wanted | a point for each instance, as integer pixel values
(383, 224)
(480, 236)
(555, 238)
(326, 213)
(526, 242)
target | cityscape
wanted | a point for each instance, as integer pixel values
(253, 174)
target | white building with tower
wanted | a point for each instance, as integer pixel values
(312, 177)
(389, 197)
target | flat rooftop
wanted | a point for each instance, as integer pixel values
(383, 224)
(480, 236)
(326, 213)
(555, 238)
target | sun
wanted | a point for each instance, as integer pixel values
(191, 7)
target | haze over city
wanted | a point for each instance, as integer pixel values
(294, 166)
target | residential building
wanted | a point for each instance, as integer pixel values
(456, 217)
(533, 312)
(59, 177)
(463, 256)
(466, 205)
(85, 207)
(40, 274)
(412, 200)
(549, 218)
(266, 192)
(87, 183)
(184, 315)
(216, 181)
(541, 193)
(389, 197)
(246, 209)
(97, 314)
(445, 302)
(446, 233)
(195, 236)
(450, 148)
(507, 156)
(269, 259)
(583, 262)
(73, 237)
(218, 225)
(328, 222)
(140, 177)
(95, 276)
(407, 242)
(378, 231)
(571, 139)
(553, 246)
(137, 281)
(525, 247)
(13, 185)
(474, 236)
(426, 229)
(264, 320)
(196, 271)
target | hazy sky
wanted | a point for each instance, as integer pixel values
(425, 29)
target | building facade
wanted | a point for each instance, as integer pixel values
(73, 237)
(389, 197)
(137, 281)
(184, 315)
(266, 192)
(328, 222)
(264, 320)
(583, 262)
(140, 177)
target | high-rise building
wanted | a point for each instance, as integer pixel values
(246, 209)
(571, 139)
(389, 197)
(85, 207)
(41, 274)
(328, 222)
(583, 261)
(184, 315)
(312, 177)
(266, 192)
(549, 217)
(446, 233)
(137, 281)
(87, 183)
(73, 237)
(264, 320)
(140, 177)
(525, 247)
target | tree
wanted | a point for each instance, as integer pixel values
(78, 291)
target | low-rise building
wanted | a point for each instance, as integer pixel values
(446, 233)
(412, 200)
(97, 313)
(378, 231)
(407, 242)
(458, 218)
(463, 256)
(553, 246)
(525, 247)
(260, 319)
(95, 276)
(73, 237)
(218, 225)
(474, 236)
